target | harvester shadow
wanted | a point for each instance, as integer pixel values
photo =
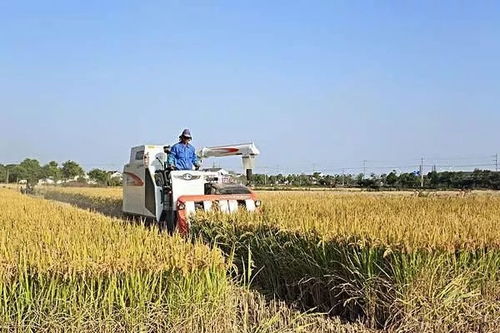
(340, 278)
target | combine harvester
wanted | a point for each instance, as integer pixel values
(154, 193)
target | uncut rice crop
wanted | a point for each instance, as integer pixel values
(402, 222)
(400, 262)
(64, 266)
(63, 269)
(397, 221)
(417, 263)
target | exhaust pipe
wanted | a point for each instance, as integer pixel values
(249, 175)
(248, 165)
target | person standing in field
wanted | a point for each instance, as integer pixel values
(182, 155)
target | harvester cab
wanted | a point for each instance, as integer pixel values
(170, 197)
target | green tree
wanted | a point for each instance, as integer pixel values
(30, 170)
(10, 168)
(392, 179)
(257, 179)
(99, 176)
(82, 180)
(115, 182)
(495, 180)
(52, 170)
(3, 173)
(16, 173)
(409, 180)
(71, 169)
(327, 180)
(359, 179)
(433, 177)
(445, 179)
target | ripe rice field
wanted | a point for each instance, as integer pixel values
(59, 263)
(65, 269)
(397, 263)
(423, 264)
(402, 222)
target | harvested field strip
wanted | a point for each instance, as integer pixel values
(107, 201)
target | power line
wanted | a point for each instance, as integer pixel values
(367, 165)
(465, 165)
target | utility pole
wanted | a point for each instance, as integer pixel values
(343, 177)
(422, 172)
(7, 177)
(496, 162)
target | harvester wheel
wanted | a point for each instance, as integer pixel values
(167, 222)
(171, 222)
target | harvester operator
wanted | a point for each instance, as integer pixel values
(182, 155)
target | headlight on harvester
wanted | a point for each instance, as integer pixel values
(181, 206)
(257, 203)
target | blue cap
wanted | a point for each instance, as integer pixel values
(186, 133)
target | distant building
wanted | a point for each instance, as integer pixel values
(76, 178)
(49, 181)
(46, 181)
(115, 175)
(219, 170)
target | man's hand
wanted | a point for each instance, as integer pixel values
(170, 167)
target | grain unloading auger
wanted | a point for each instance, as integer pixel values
(169, 197)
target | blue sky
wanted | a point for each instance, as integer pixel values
(316, 85)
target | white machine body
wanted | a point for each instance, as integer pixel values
(142, 196)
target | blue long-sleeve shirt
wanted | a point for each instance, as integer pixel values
(182, 156)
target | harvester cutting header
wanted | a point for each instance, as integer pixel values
(155, 189)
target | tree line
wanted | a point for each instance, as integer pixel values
(32, 171)
(477, 179)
